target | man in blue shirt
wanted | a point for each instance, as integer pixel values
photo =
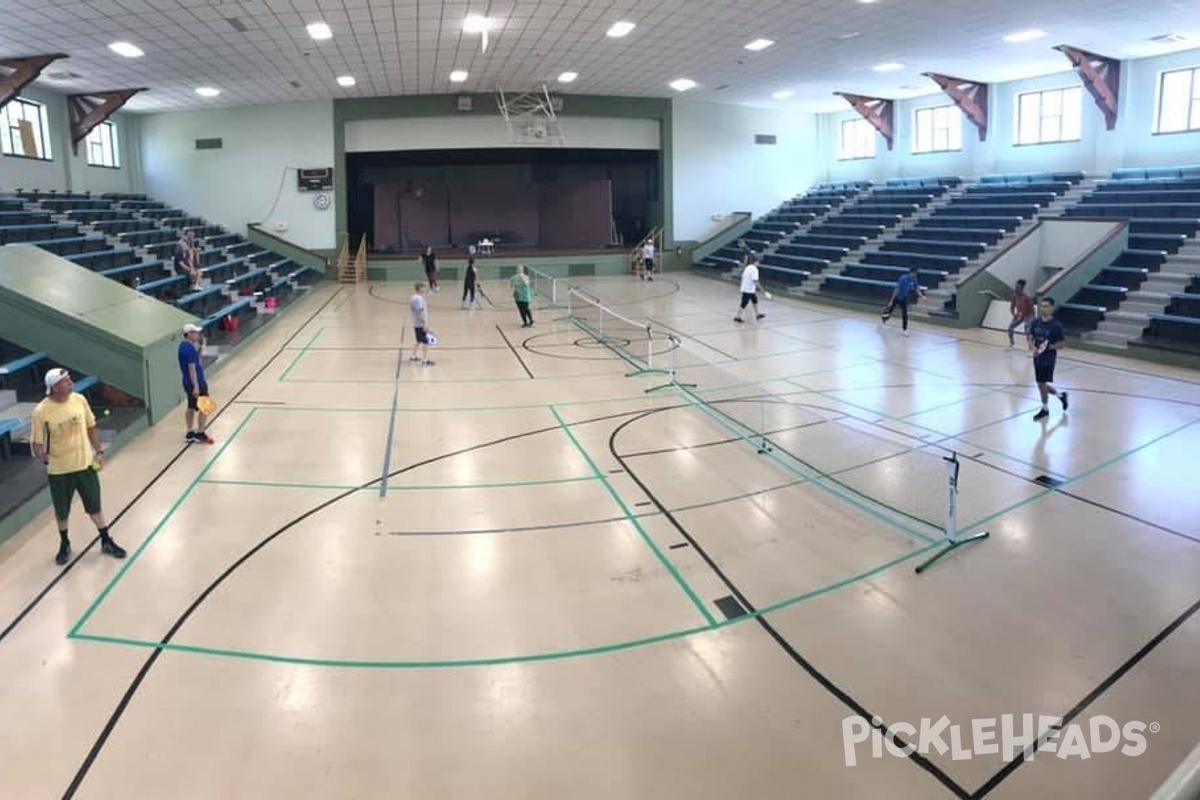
(194, 384)
(908, 290)
(1046, 338)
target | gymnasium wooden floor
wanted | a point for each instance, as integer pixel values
(518, 574)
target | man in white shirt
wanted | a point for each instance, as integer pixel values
(648, 259)
(420, 321)
(749, 289)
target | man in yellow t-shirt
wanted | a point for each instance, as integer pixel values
(65, 439)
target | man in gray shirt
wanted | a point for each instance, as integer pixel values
(420, 320)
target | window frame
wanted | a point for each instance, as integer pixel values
(949, 129)
(1041, 94)
(10, 133)
(96, 139)
(854, 153)
(1193, 116)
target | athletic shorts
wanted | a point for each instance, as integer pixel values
(193, 399)
(421, 337)
(749, 297)
(64, 487)
(1043, 372)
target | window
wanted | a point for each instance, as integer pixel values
(1178, 101)
(1055, 115)
(23, 130)
(858, 140)
(937, 130)
(102, 147)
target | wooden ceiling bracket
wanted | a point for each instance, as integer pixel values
(878, 111)
(90, 109)
(971, 97)
(1102, 77)
(24, 72)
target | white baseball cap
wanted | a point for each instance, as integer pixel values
(192, 328)
(54, 376)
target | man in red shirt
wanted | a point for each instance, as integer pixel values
(1021, 309)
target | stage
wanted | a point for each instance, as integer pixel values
(555, 261)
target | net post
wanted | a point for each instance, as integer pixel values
(951, 541)
(763, 446)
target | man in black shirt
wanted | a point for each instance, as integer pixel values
(1046, 338)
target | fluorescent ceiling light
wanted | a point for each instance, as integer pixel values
(319, 31)
(890, 66)
(208, 91)
(1024, 36)
(346, 80)
(567, 77)
(759, 44)
(620, 29)
(783, 94)
(683, 84)
(126, 49)
(476, 23)
(458, 76)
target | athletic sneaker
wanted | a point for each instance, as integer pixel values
(1041, 415)
(1063, 397)
(203, 438)
(428, 363)
(111, 548)
(759, 316)
(64, 553)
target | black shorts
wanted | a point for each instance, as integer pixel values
(181, 268)
(1043, 372)
(64, 487)
(749, 297)
(192, 399)
(421, 337)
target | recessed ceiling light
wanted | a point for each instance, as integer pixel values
(620, 29)
(890, 66)
(346, 80)
(208, 91)
(476, 23)
(319, 31)
(783, 94)
(683, 84)
(759, 44)
(458, 76)
(1024, 36)
(567, 77)
(126, 49)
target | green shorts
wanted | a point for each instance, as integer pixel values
(64, 487)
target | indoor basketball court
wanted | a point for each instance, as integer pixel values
(586, 558)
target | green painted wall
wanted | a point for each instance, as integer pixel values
(446, 105)
(92, 324)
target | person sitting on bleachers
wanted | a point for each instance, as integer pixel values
(187, 258)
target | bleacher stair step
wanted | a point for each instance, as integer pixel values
(1147, 308)
(1107, 339)
(8, 397)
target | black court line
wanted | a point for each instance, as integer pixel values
(524, 366)
(1091, 697)
(653, 321)
(915, 757)
(106, 732)
(29, 607)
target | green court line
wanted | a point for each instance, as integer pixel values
(369, 487)
(629, 515)
(953, 403)
(300, 355)
(818, 479)
(553, 655)
(946, 437)
(125, 567)
(1085, 474)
